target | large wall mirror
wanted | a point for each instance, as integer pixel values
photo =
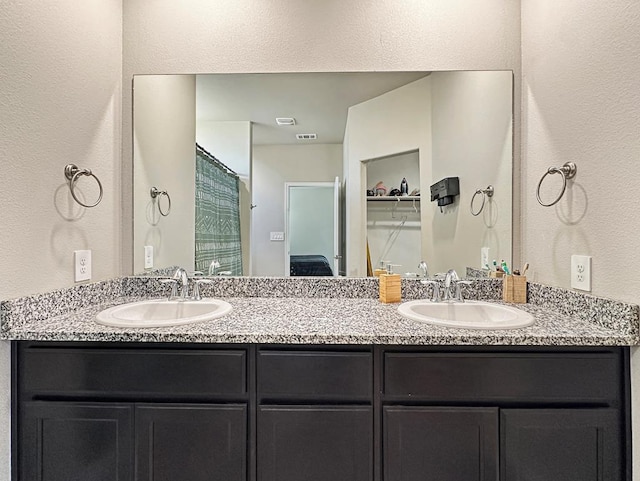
(215, 154)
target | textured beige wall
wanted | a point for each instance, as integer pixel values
(60, 102)
(164, 149)
(581, 103)
(472, 139)
(200, 36)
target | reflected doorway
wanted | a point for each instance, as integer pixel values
(311, 228)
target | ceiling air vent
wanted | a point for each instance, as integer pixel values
(306, 136)
(285, 121)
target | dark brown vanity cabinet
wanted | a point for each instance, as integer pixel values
(72, 441)
(513, 414)
(117, 412)
(131, 411)
(315, 415)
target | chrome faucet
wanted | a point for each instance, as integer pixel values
(435, 286)
(213, 266)
(424, 268)
(450, 280)
(451, 276)
(181, 278)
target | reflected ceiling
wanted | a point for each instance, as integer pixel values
(318, 101)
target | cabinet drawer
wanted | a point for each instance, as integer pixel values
(554, 377)
(320, 375)
(115, 373)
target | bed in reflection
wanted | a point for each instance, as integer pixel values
(309, 265)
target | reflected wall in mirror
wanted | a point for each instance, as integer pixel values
(451, 123)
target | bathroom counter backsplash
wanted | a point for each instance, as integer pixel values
(317, 311)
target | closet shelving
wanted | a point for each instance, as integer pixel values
(392, 198)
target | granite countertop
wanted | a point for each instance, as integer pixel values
(307, 320)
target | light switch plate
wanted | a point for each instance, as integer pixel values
(82, 261)
(276, 236)
(581, 272)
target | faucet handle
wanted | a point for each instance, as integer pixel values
(435, 297)
(174, 287)
(459, 290)
(196, 288)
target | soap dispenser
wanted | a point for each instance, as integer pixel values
(381, 269)
(390, 289)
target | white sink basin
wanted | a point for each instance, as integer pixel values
(163, 313)
(468, 314)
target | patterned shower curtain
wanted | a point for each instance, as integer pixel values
(217, 215)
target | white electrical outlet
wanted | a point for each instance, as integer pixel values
(484, 258)
(148, 257)
(581, 272)
(82, 261)
(276, 236)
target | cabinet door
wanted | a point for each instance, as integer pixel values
(561, 445)
(62, 441)
(444, 444)
(191, 442)
(315, 443)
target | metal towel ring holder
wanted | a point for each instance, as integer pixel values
(488, 192)
(567, 171)
(156, 193)
(72, 173)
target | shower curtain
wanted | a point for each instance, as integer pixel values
(217, 215)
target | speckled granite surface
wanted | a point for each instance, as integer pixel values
(473, 273)
(317, 311)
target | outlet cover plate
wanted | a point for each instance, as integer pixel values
(148, 257)
(484, 258)
(82, 260)
(581, 272)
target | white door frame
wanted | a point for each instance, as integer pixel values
(336, 241)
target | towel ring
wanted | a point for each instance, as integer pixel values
(567, 171)
(72, 173)
(488, 192)
(156, 193)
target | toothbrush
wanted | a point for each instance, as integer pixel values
(505, 267)
(524, 268)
